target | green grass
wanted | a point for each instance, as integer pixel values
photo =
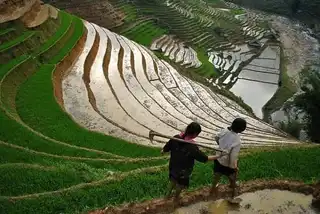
(12, 64)
(26, 35)
(68, 46)
(145, 33)
(238, 11)
(206, 70)
(287, 163)
(130, 11)
(5, 31)
(16, 75)
(14, 155)
(17, 180)
(37, 106)
(25, 136)
(66, 21)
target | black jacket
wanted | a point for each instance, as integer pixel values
(182, 157)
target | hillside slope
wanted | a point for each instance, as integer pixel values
(77, 102)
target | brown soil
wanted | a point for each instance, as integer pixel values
(87, 67)
(106, 59)
(29, 16)
(120, 62)
(11, 10)
(166, 206)
(316, 195)
(63, 68)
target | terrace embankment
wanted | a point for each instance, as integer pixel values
(298, 195)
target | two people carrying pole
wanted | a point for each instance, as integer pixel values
(184, 155)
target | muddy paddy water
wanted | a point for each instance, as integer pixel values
(259, 202)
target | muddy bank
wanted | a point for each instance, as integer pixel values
(166, 206)
(263, 201)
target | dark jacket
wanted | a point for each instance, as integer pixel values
(182, 157)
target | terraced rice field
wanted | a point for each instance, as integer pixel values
(143, 32)
(77, 108)
(229, 36)
(178, 52)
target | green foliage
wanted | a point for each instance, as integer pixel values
(26, 35)
(144, 33)
(78, 30)
(309, 102)
(17, 180)
(5, 31)
(90, 165)
(293, 127)
(283, 93)
(238, 11)
(130, 12)
(206, 70)
(66, 21)
(283, 164)
(37, 106)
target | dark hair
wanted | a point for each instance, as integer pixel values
(192, 129)
(238, 125)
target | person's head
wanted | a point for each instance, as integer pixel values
(192, 130)
(238, 125)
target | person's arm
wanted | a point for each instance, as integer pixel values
(234, 153)
(199, 155)
(215, 157)
(167, 147)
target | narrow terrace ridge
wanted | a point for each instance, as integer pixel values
(106, 103)
(146, 103)
(151, 94)
(156, 95)
(75, 93)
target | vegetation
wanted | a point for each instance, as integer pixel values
(238, 11)
(5, 31)
(293, 127)
(137, 187)
(285, 91)
(308, 101)
(144, 33)
(36, 92)
(206, 70)
(50, 164)
(16, 41)
(66, 21)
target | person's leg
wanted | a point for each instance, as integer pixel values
(233, 183)
(178, 189)
(216, 179)
(172, 185)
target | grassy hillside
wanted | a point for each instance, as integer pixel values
(51, 164)
(282, 164)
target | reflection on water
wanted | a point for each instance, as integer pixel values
(254, 94)
(260, 202)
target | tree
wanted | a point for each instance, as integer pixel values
(309, 102)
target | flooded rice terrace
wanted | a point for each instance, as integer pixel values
(259, 202)
(258, 81)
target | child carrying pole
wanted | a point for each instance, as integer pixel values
(182, 157)
(228, 139)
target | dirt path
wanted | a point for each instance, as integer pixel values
(166, 206)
